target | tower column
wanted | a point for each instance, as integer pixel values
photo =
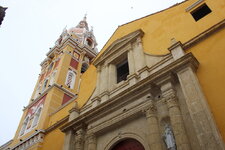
(176, 119)
(154, 138)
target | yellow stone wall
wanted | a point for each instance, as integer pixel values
(53, 140)
(174, 22)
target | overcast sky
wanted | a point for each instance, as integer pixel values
(31, 27)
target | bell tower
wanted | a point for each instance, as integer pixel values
(58, 83)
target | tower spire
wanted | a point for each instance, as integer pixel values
(85, 17)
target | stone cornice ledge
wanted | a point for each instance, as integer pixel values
(47, 90)
(28, 138)
(204, 35)
(188, 60)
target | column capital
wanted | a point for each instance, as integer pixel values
(166, 82)
(150, 110)
(98, 68)
(79, 138)
(91, 138)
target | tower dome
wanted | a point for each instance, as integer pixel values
(81, 33)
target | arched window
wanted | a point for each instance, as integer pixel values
(52, 79)
(70, 79)
(36, 117)
(84, 67)
(89, 42)
(24, 126)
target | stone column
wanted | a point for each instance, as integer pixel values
(207, 133)
(152, 123)
(69, 140)
(92, 142)
(176, 119)
(79, 140)
(138, 54)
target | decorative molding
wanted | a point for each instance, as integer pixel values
(193, 5)
(6, 145)
(35, 138)
(205, 34)
(57, 124)
(47, 90)
(143, 85)
(73, 43)
(64, 105)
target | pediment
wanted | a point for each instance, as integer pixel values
(118, 45)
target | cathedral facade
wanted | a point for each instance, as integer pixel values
(157, 84)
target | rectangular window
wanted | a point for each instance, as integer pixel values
(122, 71)
(201, 12)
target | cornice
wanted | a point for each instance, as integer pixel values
(73, 43)
(5, 145)
(57, 124)
(205, 34)
(46, 91)
(193, 5)
(64, 105)
(185, 61)
(31, 136)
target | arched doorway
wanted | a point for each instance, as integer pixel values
(128, 144)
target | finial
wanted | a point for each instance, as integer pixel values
(173, 41)
(64, 29)
(85, 17)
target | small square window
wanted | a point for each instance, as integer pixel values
(122, 71)
(201, 12)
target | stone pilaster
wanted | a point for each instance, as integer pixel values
(92, 142)
(112, 76)
(138, 54)
(104, 79)
(98, 80)
(207, 133)
(69, 140)
(152, 123)
(131, 62)
(79, 140)
(175, 115)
